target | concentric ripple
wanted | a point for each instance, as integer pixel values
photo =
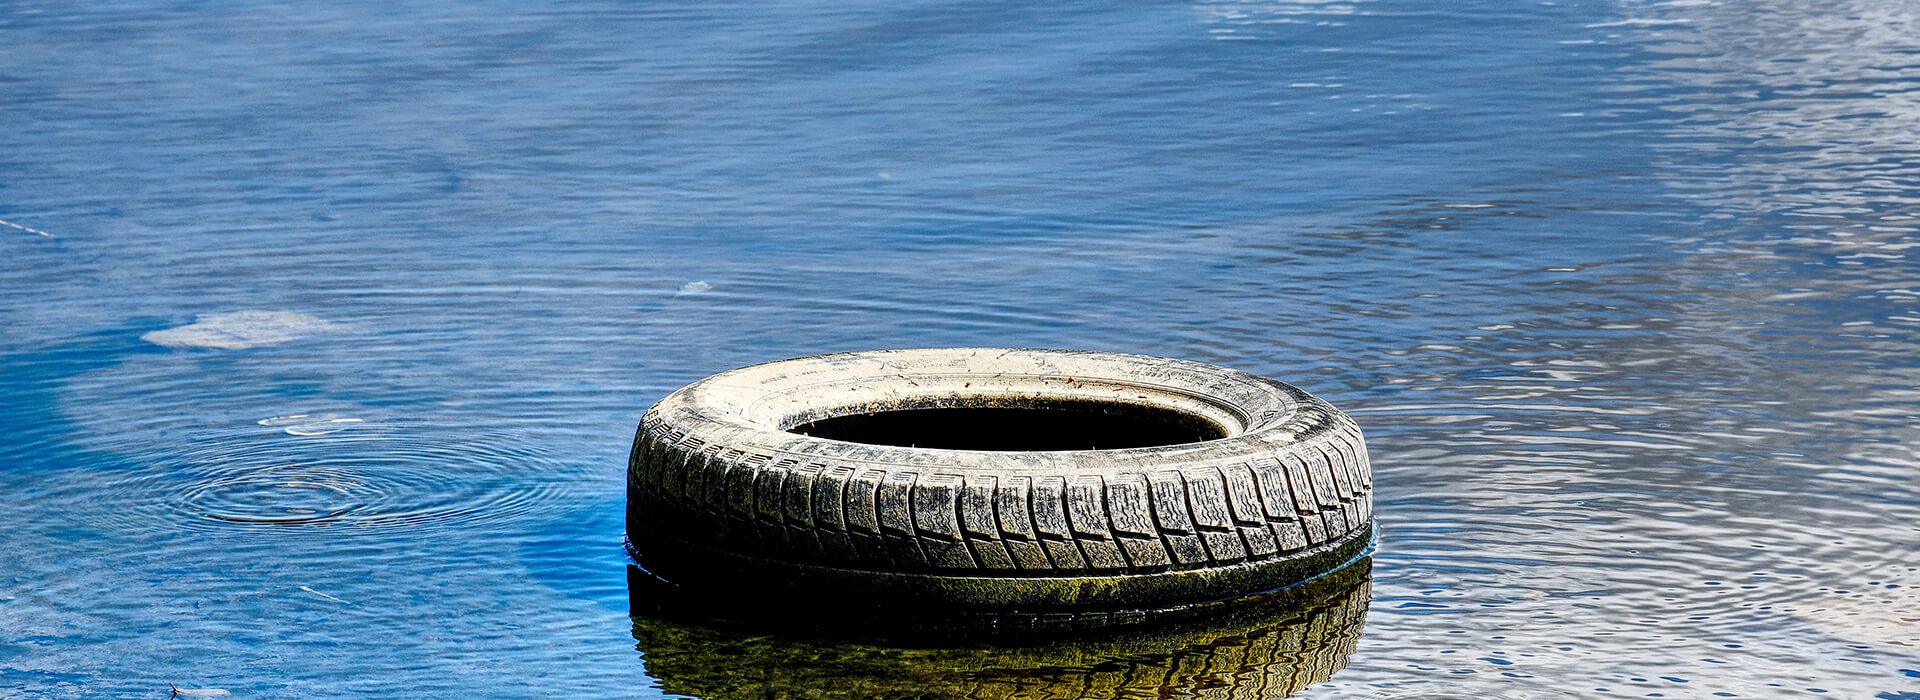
(290, 495)
(361, 476)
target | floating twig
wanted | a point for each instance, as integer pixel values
(4, 222)
(323, 595)
(197, 692)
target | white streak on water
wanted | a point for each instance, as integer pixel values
(236, 330)
(4, 222)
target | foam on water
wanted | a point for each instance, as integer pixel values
(239, 330)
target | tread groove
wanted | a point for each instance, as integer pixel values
(1188, 513)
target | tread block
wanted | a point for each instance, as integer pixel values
(1338, 469)
(976, 508)
(662, 461)
(1028, 554)
(1321, 476)
(1102, 554)
(1350, 466)
(1300, 485)
(1087, 507)
(665, 458)
(1361, 457)
(739, 487)
(829, 498)
(766, 517)
(1340, 520)
(1243, 496)
(1316, 528)
(1259, 540)
(894, 503)
(1049, 507)
(1209, 499)
(1170, 502)
(948, 554)
(803, 533)
(1290, 535)
(1065, 554)
(673, 474)
(699, 470)
(829, 510)
(1187, 549)
(646, 464)
(1016, 515)
(936, 507)
(863, 493)
(992, 554)
(1271, 480)
(799, 494)
(1224, 546)
(642, 463)
(718, 467)
(767, 491)
(1145, 553)
(1127, 504)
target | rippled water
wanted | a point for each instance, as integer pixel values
(1621, 292)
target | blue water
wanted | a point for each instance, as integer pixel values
(1620, 291)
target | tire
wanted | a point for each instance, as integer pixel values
(774, 482)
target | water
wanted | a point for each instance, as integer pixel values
(1621, 292)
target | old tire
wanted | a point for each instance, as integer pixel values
(941, 484)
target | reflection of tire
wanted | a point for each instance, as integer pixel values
(1240, 657)
(994, 479)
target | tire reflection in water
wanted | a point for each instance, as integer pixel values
(1267, 653)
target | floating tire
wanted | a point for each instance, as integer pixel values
(1024, 488)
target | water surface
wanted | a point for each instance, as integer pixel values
(1620, 291)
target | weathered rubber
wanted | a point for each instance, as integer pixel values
(717, 483)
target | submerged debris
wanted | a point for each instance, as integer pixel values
(236, 330)
(197, 692)
(323, 595)
(309, 425)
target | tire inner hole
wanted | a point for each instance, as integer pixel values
(1028, 426)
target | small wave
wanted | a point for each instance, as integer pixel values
(374, 476)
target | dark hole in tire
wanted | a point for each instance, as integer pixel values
(1031, 426)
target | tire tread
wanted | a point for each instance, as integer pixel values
(813, 509)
